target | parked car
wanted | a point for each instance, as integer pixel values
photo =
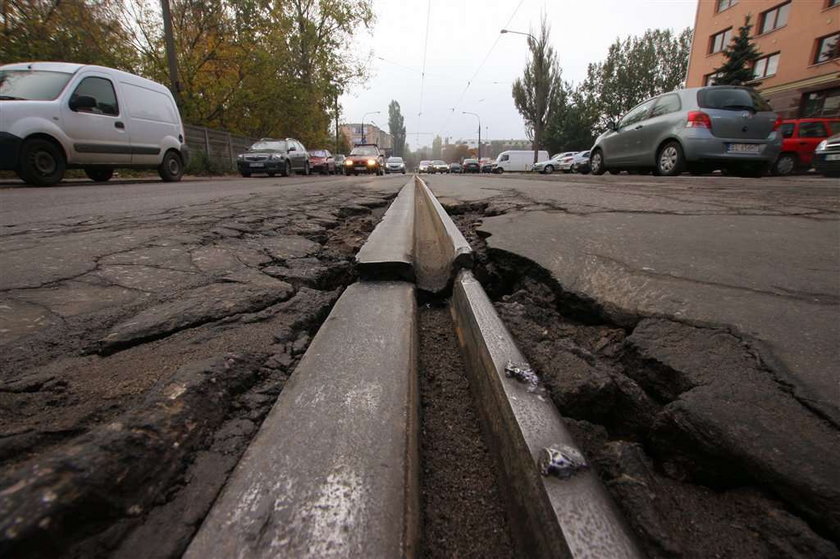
(800, 138)
(56, 116)
(440, 166)
(272, 156)
(556, 163)
(827, 157)
(455, 168)
(395, 165)
(425, 166)
(364, 158)
(472, 166)
(487, 164)
(322, 161)
(580, 164)
(698, 129)
(517, 160)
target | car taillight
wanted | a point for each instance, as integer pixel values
(698, 119)
(777, 123)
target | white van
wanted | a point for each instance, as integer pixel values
(55, 116)
(517, 160)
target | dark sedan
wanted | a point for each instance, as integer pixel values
(272, 157)
(472, 166)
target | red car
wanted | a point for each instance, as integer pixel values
(800, 139)
(321, 161)
(365, 158)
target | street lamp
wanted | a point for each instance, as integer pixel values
(479, 131)
(503, 31)
(363, 122)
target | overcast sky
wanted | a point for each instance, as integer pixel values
(464, 45)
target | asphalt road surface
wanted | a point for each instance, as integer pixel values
(714, 299)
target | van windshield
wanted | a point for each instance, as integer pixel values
(31, 85)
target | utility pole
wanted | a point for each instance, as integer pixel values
(170, 51)
(336, 122)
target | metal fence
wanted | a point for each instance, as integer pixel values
(217, 145)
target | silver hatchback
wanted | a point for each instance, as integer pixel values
(699, 130)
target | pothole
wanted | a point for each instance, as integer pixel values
(655, 406)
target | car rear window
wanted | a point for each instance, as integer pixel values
(32, 85)
(731, 99)
(318, 153)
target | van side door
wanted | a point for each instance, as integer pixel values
(151, 118)
(94, 121)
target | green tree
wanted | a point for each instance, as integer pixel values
(635, 69)
(739, 57)
(396, 127)
(437, 145)
(535, 93)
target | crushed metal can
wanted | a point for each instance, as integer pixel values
(522, 372)
(561, 461)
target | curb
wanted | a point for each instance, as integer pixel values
(556, 504)
(333, 470)
(388, 254)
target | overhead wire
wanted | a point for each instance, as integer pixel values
(423, 72)
(444, 128)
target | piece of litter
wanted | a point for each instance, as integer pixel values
(522, 372)
(561, 461)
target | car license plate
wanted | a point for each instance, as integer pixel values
(257, 164)
(832, 157)
(743, 148)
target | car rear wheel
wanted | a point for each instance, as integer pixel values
(171, 168)
(42, 163)
(287, 168)
(548, 169)
(306, 168)
(785, 165)
(99, 174)
(596, 163)
(670, 160)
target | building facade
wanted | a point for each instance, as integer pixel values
(372, 135)
(799, 68)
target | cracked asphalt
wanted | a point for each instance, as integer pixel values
(760, 257)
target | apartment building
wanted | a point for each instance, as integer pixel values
(372, 135)
(799, 71)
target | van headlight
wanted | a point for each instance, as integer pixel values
(822, 145)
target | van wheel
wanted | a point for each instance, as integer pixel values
(596, 163)
(42, 163)
(498, 170)
(670, 160)
(99, 174)
(784, 165)
(172, 168)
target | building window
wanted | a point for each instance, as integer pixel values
(725, 4)
(766, 66)
(718, 41)
(775, 18)
(712, 78)
(828, 48)
(824, 103)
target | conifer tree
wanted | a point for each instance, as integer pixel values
(740, 54)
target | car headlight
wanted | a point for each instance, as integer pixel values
(821, 146)
(275, 157)
(371, 162)
(241, 156)
(348, 162)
